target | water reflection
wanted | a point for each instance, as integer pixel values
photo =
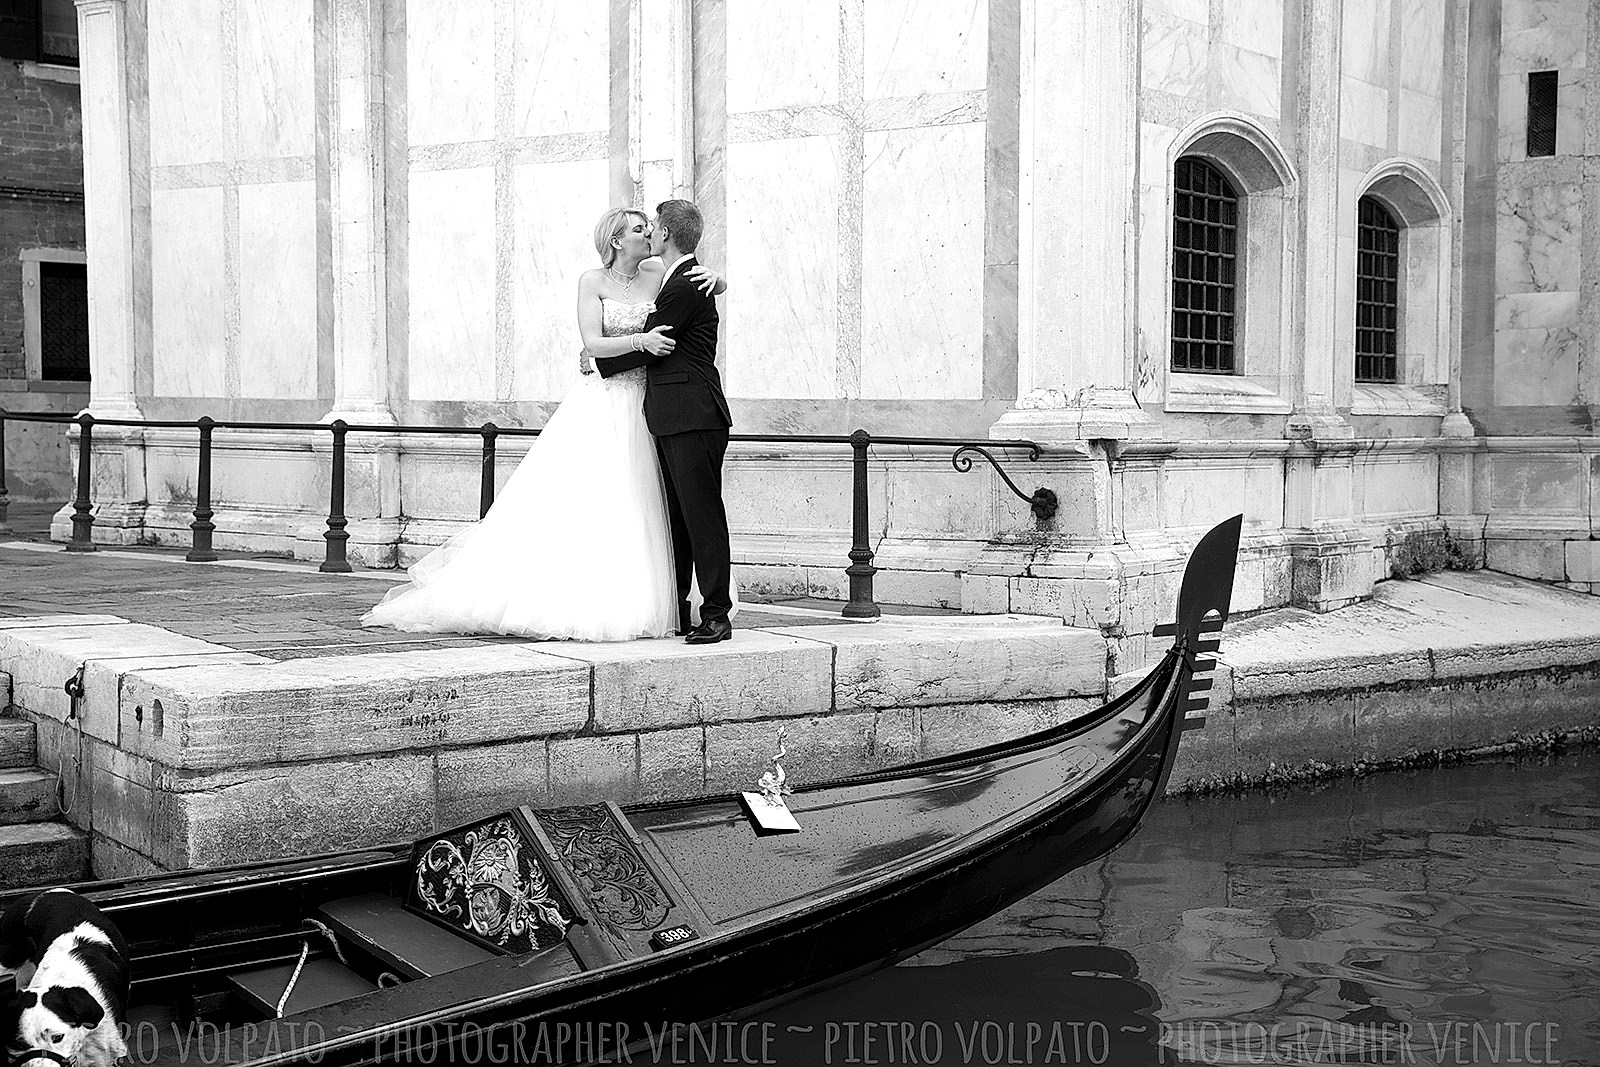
(1448, 916)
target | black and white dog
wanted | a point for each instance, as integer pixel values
(71, 968)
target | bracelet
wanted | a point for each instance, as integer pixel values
(638, 342)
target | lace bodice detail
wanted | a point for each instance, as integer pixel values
(618, 319)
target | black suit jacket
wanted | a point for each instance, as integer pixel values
(683, 391)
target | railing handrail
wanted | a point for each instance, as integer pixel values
(860, 571)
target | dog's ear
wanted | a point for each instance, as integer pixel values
(75, 1005)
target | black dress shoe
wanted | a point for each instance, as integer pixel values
(710, 632)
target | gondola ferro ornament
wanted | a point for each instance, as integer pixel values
(767, 808)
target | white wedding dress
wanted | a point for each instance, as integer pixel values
(577, 544)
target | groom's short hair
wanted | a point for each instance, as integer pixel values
(682, 220)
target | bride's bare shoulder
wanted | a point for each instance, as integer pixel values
(589, 280)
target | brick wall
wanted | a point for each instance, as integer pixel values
(41, 147)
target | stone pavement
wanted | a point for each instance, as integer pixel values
(282, 609)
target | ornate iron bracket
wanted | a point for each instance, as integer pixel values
(1043, 501)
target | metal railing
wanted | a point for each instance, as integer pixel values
(335, 559)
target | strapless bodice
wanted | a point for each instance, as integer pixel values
(618, 319)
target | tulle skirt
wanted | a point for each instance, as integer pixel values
(577, 545)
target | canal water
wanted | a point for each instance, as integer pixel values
(1443, 916)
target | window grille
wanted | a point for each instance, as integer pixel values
(1377, 293)
(1205, 230)
(63, 322)
(1542, 91)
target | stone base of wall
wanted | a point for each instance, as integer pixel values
(186, 754)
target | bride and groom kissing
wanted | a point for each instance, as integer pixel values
(613, 526)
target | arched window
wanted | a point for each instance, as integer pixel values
(1377, 293)
(1205, 230)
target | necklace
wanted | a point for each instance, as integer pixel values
(624, 280)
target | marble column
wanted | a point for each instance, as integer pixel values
(1316, 110)
(108, 207)
(1077, 214)
(356, 195)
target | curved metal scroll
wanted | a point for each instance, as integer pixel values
(1043, 501)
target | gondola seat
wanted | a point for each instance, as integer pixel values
(322, 981)
(408, 944)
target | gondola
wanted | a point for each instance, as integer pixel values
(574, 934)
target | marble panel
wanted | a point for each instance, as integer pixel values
(1423, 44)
(187, 292)
(658, 111)
(1571, 131)
(1202, 496)
(1535, 311)
(278, 290)
(1538, 238)
(450, 71)
(1193, 10)
(783, 250)
(922, 275)
(1364, 40)
(1388, 488)
(1333, 489)
(1173, 54)
(925, 46)
(1350, 180)
(185, 77)
(277, 85)
(1537, 483)
(1253, 26)
(1512, 133)
(1421, 124)
(1154, 234)
(1536, 367)
(561, 65)
(782, 55)
(1553, 15)
(451, 295)
(1553, 48)
(1363, 112)
(1344, 286)
(552, 206)
(1247, 81)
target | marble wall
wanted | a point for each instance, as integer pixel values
(232, 241)
(1543, 348)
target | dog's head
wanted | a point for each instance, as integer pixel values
(57, 1020)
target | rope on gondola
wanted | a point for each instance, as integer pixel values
(305, 952)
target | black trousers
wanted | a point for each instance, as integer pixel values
(691, 463)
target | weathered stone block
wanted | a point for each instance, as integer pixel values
(111, 859)
(645, 685)
(1088, 602)
(211, 717)
(955, 728)
(484, 779)
(672, 763)
(897, 738)
(985, 594)
(293, 810)
(1583, 561)
(937, 589)
(1294, 729)
(46, 853)
(1391, 722)
(1206, 752)
(27, 796)
(901, 665)
(585, 770)
(1545, 560)
(828, 746)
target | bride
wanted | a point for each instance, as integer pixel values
(577, 544)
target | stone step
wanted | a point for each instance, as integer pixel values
(41, 854)
(27, 795)
(16, 743)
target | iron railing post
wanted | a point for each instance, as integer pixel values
(861, 570)
(5, 495)
(334, 560)
(201, 551)
(82, 520)
(486, 488)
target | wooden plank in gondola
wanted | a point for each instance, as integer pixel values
(411, 945)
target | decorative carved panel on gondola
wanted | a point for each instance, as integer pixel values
(487, 882)
(605, 863)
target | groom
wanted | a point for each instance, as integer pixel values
(686, 411)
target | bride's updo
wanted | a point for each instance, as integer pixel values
(610, 227)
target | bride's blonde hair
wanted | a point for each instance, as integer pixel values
(610, 227)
